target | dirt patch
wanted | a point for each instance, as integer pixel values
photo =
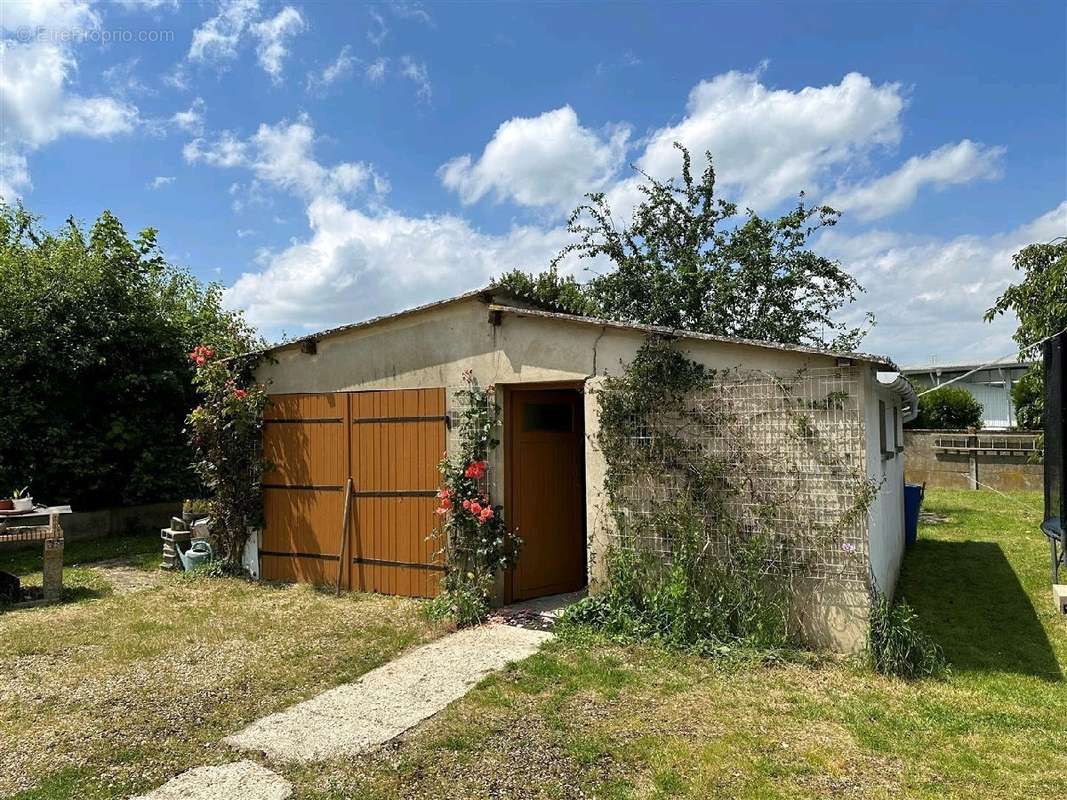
(125, 578)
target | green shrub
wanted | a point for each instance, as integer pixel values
(214, 568)
(464, 600)
(949, 408)
(693, 600)
(896, 645)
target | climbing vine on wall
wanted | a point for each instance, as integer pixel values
(476, 542)
(723, 488)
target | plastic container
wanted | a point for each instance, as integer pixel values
(913, 499)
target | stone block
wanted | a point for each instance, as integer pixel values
(1059, 596)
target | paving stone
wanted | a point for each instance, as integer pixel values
(240, 780)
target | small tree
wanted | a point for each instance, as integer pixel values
(949, 408)
(226, 430)
(1040, 303)
(684, 261)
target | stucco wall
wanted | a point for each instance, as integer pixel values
(886, 516)
(435, 347)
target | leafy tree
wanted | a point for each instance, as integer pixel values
(686, 261)
(949, 408)
(1028, 397)
(549, 289)
(95, 331)
(1040, 303)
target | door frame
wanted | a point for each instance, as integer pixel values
(509, 390)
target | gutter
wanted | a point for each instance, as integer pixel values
(897, 383)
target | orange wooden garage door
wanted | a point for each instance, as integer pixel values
(389, 443)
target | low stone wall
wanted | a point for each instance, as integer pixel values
(973, 464)
(114, 521)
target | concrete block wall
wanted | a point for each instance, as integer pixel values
(924, 463)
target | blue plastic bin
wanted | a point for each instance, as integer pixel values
(913, 499)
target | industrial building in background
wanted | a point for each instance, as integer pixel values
(991, 386)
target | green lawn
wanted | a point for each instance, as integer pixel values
(112, 694)
(587, 718)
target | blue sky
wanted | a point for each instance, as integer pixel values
(329, 162)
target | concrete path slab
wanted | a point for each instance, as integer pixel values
(542, 612)
(389, 700)
(242, 779)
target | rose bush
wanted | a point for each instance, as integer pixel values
(476, 542)
(226, 432)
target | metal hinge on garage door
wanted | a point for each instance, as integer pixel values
(389, 443)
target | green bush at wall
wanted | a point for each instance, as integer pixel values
(949, 408)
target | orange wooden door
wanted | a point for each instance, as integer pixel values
(547, 490)
(303, 495)
(397, 440)
(389, 443)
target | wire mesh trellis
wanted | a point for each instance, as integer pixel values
(787, 461)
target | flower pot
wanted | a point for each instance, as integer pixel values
(6, 504)
(23, 503)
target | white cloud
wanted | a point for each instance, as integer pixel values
(958, 163)
(417, 73)
(37, 108)
(415, 11)
(929, 294)
(14, 174)
(51, 15)
(375, 71)
(272, 35)
(160, 181)
(283, 155)
(244, 233)
(149, 5)
(356, 262)
(124, 80)
(226, 151)
(177, 77)
(770, 144)
(379, 30)
(548, 160)
(338, 69)
(356, 265)
(217, 39)
(192, 119)
(359, 262)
